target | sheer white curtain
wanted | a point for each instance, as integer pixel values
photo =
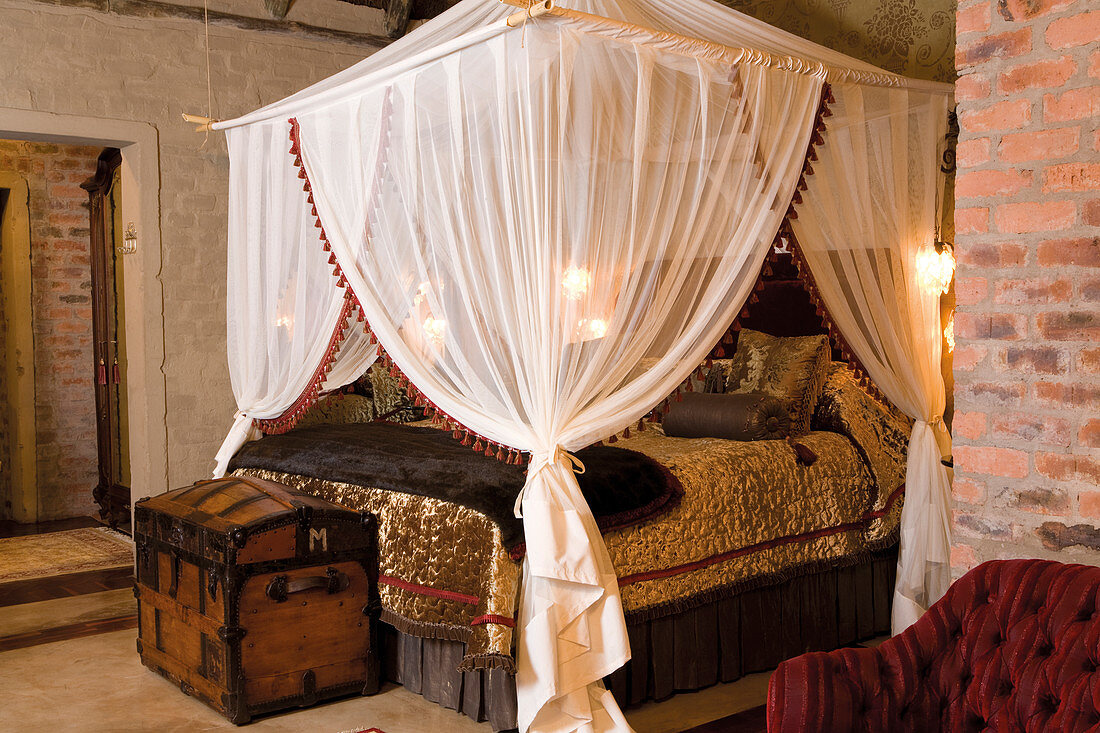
(283, 302)
(548, 231)
(869, 210)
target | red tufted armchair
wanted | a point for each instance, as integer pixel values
(1013, 646)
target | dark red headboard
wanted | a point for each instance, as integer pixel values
(783, 306)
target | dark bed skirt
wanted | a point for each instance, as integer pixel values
(718, 641)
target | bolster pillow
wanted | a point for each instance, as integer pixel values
(734, 416)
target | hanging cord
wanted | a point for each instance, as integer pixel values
(203, 123)
(209, 92)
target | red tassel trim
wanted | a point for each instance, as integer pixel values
(308, 398)
(290, 418)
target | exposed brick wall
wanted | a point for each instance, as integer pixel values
(62, 321)
(83, 62)
(1027, 365)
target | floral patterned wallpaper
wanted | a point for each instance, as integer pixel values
(911, 37)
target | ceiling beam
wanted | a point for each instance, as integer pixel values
(155, 10)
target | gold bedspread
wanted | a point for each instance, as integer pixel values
(750, 514)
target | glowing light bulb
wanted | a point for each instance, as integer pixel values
(597, 328)
(936, 268)
(949, 332)
(284, 322)
(575, 282)
(435, 329)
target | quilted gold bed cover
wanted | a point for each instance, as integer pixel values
(750, 515)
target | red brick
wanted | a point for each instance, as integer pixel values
(1089, 504)
(969, 425)
(974, 152)
(1001, 45)
(1082, 252)
(1089, 290)
(968, 491)
(1016, 10)
(971, 87)
(1034, 359)
(1043, 74)
(972, 19)
(1074, 30)
(963, 557)
(1071, 326)
(1089, 435)
(1031, 427)
(966, 357)
(1033, 216)
(1058, 394)
(989, 393)
(971, 325)
(970, 290)
(1008, 115)
(1040, 145)
(1094, 64)
(1039, 290)
(1076, 104)
(971, 221)
(1071, 177)
(1035, 500)
(1087, 469)
(1090, 213)
(991, 183)
(1006, 462)
(990, 255)
(1088, 361)
(1057, 466)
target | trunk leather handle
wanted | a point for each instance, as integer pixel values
(280, 587)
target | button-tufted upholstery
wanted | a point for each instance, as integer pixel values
(1013, 646)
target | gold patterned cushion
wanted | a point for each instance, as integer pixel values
(390, 400)
(339, 409)
(791, 368)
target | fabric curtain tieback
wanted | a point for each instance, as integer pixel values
(541, 461)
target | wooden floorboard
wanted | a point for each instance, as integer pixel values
(753, 720)
(64, 586)
(72, 631)
(9, 528)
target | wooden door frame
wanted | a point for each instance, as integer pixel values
(18, 346)
(143, 286)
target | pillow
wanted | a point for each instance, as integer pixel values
(339, 409)
(391, 402)
(731, 416)
(791, 368)
(880, 432)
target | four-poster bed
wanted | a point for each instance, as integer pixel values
(543, 231)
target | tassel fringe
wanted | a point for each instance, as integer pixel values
(308, 398)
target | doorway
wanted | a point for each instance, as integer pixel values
(108, 247)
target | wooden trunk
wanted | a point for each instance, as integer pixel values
(254, 597)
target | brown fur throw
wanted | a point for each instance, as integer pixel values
(622, 487)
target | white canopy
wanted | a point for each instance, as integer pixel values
(547, 227)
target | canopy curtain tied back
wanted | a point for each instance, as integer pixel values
(545, 230)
